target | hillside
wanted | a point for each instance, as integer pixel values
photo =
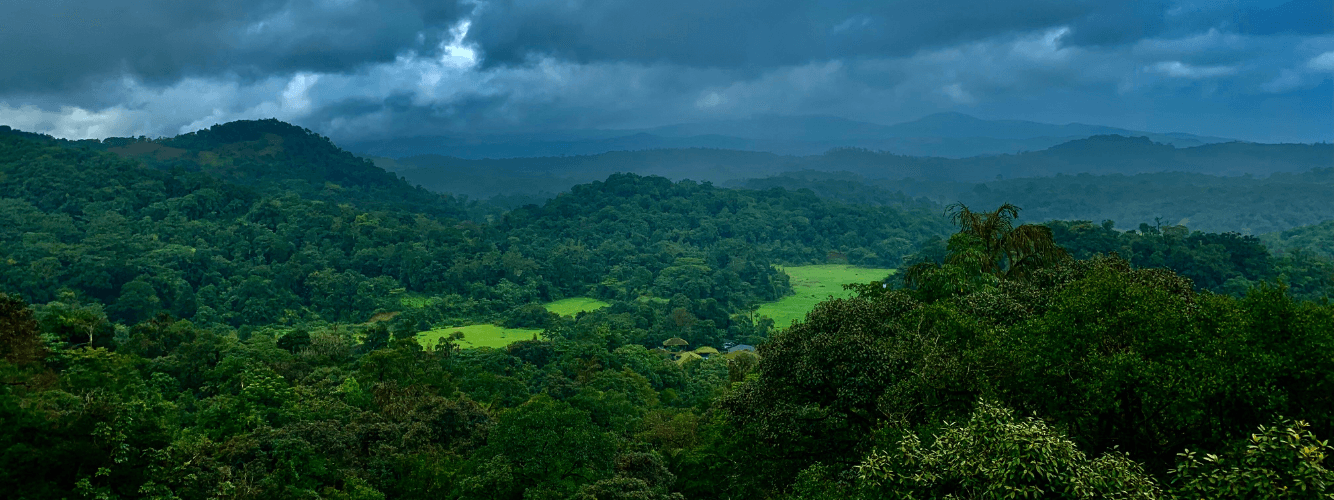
(1244, 204)
(1316, 238)
(238, 225)
(272, 157)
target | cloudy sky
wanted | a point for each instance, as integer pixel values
(1260, 70)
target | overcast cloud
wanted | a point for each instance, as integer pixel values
(357, 69)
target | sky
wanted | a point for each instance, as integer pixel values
(354, 70)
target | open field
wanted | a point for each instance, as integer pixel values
(493, 335)
(563, 307)
(814, 284)
(574, 305)
(479, 335)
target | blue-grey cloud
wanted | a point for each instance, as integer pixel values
(64, 45)
(1299, 17)
(355, 69)
(758, 33)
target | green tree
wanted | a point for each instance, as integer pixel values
(1283, 461)
(1007, 250)
(995, 455)
(543, 448)
(138, 301)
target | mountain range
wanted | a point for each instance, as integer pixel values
(1098, 155)
(1126, 179)
(946, 135)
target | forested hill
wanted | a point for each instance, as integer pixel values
(1246, 204)
(106, 229)
(272, 157)
(1317, 239)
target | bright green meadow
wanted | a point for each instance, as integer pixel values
(479, 335)
(575, 305)
(498, 336)
(813, 285)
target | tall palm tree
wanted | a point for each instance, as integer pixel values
(1006, 251)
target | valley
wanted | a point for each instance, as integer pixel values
(254, 283)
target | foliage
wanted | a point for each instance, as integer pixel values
(1210, 201)
(1117, 357)
(1317, 239)
(1280, 461)
(995, 455)
(1007, 250)
(1228, 263)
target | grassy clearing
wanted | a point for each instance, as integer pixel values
(813, 285)
(479, 335)
(575, 305)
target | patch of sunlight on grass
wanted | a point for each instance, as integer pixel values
(479, 335)
(575, 305)
(813, 285)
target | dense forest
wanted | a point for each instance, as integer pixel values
(234, 313)
(1224, 263)
(285, 244)
(1316, 238)
(1244, 204)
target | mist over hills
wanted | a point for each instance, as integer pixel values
(1244, 204)
(1103, 154)
(1232, 186)
(947, 135)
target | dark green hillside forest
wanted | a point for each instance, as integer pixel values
(273, 158)
(179, 240)
(1210, 203)
(234, 314)
(1224, 263)
(1317, 239)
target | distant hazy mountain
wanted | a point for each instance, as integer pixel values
(1246, 204)
(1099, 154)
(947, 135)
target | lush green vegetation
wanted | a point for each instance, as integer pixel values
(812, 285)
(1317, 239)
(92, 230)
(1227, 263)
(895, 391)
(1251, 205)
(168, 331)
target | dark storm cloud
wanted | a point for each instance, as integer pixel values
(357, 69)
(1304, 17)
(778, 32)
(62, 45)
